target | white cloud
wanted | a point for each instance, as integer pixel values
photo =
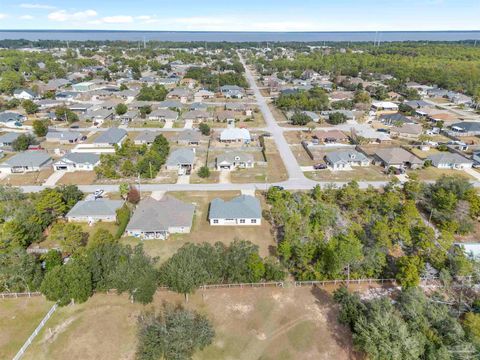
(3, 16)
(26, 17)
(119, 19)
(37, 6)
(64, 15)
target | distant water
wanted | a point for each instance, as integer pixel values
(82, 35)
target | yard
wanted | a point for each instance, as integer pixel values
(359, 173)
(431, 173)
(31, 178)
(78, 178)
(203, 232)
(270, 323)
(18, 318)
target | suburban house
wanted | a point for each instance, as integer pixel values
(235, 135)
(476, 158)
(95, 210)
(242, 210)
(233, 160)
(397, 157)
(226, 116)
(232, 91)
(237, 107)
(27, 161)
(157, 219)
(130, 115)
(181, 160)
(448, 160)
(146, 137)
(181, 94)
(197, 115)
(330, 136)
(11, 118)
(410, 131)
(77, 162)
(345, 159)
(84, 86)
(163, 115)
(63, 137)
(8, 138)
(201, 95)
(466, 128)
(111, 137)
(189, 137)
(394, 119)
(25, 94)
(384, 107)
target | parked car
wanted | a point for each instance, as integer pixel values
(320, 166)
(74, 127)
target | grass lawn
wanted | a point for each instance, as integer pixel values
(203, 232)
(432, 173)
(18, 318)
(270, 323)
(78, 178)
(31, 178)
(212, 179)
(147, 124)
(424, 154)
(369, 173)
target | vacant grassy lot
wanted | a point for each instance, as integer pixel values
(203, 232)
(18, 318)
(31, 178)
(369, 173)
(250, 324)
(432, 173)
(78, 178)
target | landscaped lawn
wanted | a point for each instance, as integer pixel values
(18, 319)
(261, 323)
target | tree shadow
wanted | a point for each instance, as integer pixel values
(340, 333)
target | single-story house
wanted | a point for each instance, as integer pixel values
(345, 159)
(25, 94)
(238, 107)
(180, 94)
(242, 210)
(63, 137)
(466, 128)
(77, 162)
(197, 115)
(181, 160)
(84, 86)
(330, 136)
(394, 119)
(411, 131)
(235, 135)
(27, 161)
(146, 137)
(163, 115)
(9, 117)
(201, 95)
(111, 137)
(232, 91)
(233, 160)
(448, 160)
(397, 157)
(385, 106)
(189, 137)
(95, 210)
(226, 116)
(130, 115)
(157, 219)
(8, 138)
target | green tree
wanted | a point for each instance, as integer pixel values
(29, 106)
(204, 129)
(409, 269)
(52, 259)
(70, 236)
(337, 118)
(204, 172)
(23, 142)
(121, 109)
(40, 127)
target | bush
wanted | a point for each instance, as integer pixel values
(204, 172)
(123, 217)
(337, 118)
(300, 119)
(40, 127)
(204, 129)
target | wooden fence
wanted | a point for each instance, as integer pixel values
(10, 295)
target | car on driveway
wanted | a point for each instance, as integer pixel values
(320, 166)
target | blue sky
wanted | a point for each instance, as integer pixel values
(242, 15)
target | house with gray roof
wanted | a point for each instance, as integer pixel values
(77, 162)
(25, 94)
(450, 160)
(27, 161)
(189, 137)
(346, 159)
(397, 157)
(95, 210)
(466, 128)
(111, 137)
(181, 160)
(242, 211)
(232, 160)
(232, 91)
(63, 137)
(10, 117)
(8, 138)
(395, 119)
(163, 115)
(157, 219)
(146, 137)
(235, 135)
(181, 94)
(198, 115)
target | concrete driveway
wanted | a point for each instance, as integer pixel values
(52, 179)
(224, 177)
(188, 124)
(474, 173)
(168, 124)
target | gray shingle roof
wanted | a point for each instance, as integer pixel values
(96, 208)
(28, 158)
(8, 116)
(63, 135)
(232, 156)
(81, 158)
(345, 156)
(9, 137)
(111, 136)
(467, 126)
(147, 136)
(189, 135)
(448, 158)
(181, 156)
(242, 207)
(158, 215)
